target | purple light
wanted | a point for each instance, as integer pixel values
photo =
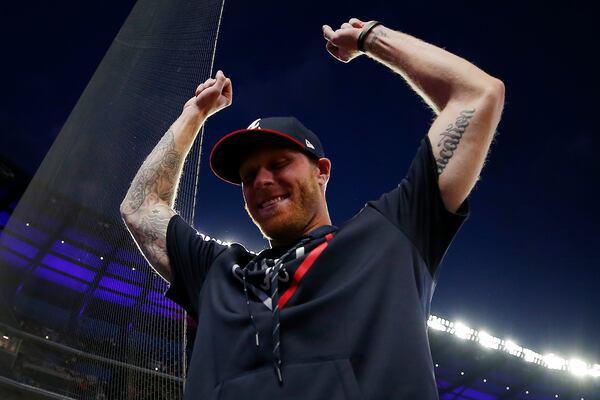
(28, 231)
(60, 279)
(442, 383)
(76, 253)
(476, 394)
(87, 240)
(127, 272)
(18, 245)
(4, 216)
(114, 298)
(120, 286)
(10, 258)
(132, 257)
(160, 299)
(159, 283)
(68, 267)
(163, 312)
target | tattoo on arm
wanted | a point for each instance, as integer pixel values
(158, 176)
(450, 138)
(147, 207)
(377, 33)
(151, 233)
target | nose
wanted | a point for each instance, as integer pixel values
(263, 178)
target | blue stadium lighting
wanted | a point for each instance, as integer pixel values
(552, 361)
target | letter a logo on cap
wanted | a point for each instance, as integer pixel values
(254, 125)
(309, 144)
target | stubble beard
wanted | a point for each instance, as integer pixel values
(289, 225)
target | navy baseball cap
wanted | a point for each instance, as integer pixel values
(227, 155)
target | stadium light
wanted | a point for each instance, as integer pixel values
(554, 362)
(437, 324)
(489, 341)
(513, 349)
(460, 330)
(578, 367)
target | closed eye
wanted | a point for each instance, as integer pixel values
(279, 164)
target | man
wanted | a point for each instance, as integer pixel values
(326, 312)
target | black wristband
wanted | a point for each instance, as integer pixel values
(363, 34)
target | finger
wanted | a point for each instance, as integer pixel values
(334, 51)
(220, 82)
(356, 23)
(328, 33)
(346, 25)
(228, 90)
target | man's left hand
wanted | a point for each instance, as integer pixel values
(342, 43)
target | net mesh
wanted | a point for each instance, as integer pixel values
(83, 315)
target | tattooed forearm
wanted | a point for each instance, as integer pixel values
(147, 207)
(377, 33)
(149, 229)
(450, 138)
(158, 176)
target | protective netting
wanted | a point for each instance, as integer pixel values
(83, 315)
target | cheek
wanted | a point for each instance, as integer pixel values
(247, 196)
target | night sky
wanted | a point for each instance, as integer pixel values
(524, 266)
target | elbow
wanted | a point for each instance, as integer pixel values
(126, 212)
(493, 93)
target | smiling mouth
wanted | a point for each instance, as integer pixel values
(273, 201)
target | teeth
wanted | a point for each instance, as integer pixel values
(272, 201)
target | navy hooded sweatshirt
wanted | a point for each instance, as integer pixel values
(354, 302)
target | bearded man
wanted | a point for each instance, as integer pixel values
(326, 312)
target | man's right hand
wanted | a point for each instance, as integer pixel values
(211, 96)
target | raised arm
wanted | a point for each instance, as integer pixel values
(468, 102)
(148, 204)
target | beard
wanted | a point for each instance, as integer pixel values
(290, 222)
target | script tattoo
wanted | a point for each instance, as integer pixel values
(450, 138)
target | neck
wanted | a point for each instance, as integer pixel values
(314, 224)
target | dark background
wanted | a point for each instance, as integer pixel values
(525, 266)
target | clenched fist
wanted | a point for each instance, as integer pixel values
(211, 96)
(342, 43)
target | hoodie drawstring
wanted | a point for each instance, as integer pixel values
(273, 274)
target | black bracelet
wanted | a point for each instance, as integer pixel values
(363, 34)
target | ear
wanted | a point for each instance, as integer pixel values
(324, 166)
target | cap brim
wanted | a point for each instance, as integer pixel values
(227, 155)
